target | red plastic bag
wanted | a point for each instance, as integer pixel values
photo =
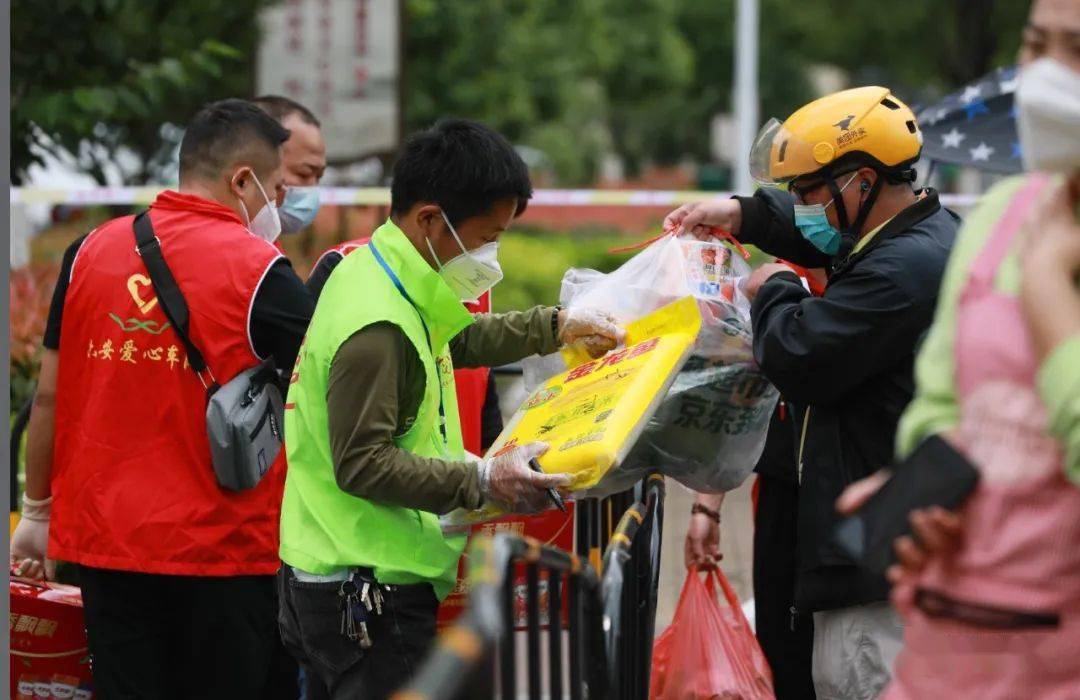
(709, 652)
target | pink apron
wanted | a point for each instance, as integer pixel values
(1021, 544)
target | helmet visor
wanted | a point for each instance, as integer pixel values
(764, 151)
(778, 156)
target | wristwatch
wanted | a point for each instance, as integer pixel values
(713, 515)
(555, 322)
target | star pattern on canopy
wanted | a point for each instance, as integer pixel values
(953, 138)
(982, 152)
(975, 125)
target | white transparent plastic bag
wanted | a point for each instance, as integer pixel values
(710, 430)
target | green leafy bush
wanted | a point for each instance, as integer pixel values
(534, 261)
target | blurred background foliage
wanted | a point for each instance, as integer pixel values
(645, 77)
(574, 79)
(534, 261)
(92, 77)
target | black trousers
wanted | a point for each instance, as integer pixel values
(787, 640)
(310, 619)
(176, 637)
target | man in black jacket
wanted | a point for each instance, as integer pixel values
(844, 360)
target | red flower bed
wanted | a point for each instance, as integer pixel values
(31, 290)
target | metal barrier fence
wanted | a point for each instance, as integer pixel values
(477, 656)
(631, 577)
(611, 622)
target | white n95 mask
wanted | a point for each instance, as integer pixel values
(266, 224)
(473, 272)
(1048, 116)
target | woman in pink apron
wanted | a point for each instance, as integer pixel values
(999, 615)
(990, 595)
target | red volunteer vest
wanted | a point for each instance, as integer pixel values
(471, 383)
(133, 484)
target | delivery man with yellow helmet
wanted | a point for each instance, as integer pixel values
(837, 193)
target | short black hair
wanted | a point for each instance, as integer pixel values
(221, 131)
(279, 107)
(461, 165)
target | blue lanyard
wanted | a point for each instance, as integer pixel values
(401, 288)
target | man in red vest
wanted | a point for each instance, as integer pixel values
(177, 574)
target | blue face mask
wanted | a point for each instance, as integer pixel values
(299, 208)
(814, 225)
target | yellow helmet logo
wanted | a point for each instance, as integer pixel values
(845, 123)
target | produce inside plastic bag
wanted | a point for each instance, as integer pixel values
(710, 430)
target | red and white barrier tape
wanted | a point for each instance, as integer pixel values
(375, 196)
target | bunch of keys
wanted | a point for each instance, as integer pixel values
(357, 606)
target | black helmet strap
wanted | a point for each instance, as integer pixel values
(849, 235)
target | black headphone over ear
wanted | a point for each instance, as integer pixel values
(864, 185)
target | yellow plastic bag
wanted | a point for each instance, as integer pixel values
(591, 414)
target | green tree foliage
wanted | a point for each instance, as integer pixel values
(94, 77)
(644, 78)
(529, 69)
(920, 48)
(575, 79)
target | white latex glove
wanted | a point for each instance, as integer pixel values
(509, 481)
(30, 541)
(597, 331)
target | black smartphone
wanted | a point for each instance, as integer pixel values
(935, 474)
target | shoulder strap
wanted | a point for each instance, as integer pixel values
(1007, 227)
(148, 246)
(427, 335)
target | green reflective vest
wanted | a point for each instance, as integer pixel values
(323, 528)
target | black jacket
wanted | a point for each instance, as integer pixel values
(778, 456)
(845, 362)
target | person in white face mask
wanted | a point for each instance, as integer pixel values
(991, 593)
(303, 160)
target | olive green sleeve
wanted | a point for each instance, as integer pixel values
(375, 386)
(498, 339)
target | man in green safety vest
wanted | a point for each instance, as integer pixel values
(371, 422)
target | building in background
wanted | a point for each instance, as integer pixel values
(342, 59)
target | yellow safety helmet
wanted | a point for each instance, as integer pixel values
(864, 126)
